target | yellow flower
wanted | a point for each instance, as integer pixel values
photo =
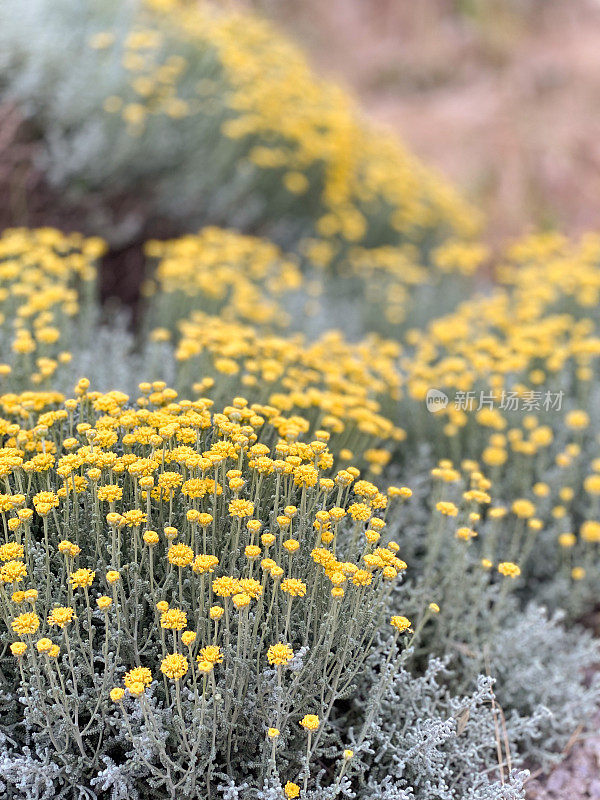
(447, 508)
(241, 508)
(567, 539)
(294, 587)
(116, 694)
(18, 649)
(138, 675)
(136, 689)
(151, 538)
(465, 534)
(211, 653)
(174, 666)
(577, 420)
(273, 733)
(82, 578)
(523, 508)
(359, 512)
(310, 722)
(590, 531)
(134, 518)
(401, 624)
(104, 602)
(241, 600)
(11, 551)
(26, 624)
(292, 790)
(225, 586)
(173, 619)
(180, 555)
(188, 638)
(61, 616)
(280, 654)
(205, 563)
(12, 572)
(508, 569)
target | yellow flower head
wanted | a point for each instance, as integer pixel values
(136, 689)
(524, 509)
(180, 555)
(26, 624)
(173, 619)
(211, 653)
(12, 572)
(188, 638)
(174, 666)
(293, 586)
(11, 551)
(205, 563)
(61, 616)
(291, 790)
(138, 675)
(241, 508)
(82, 578)
(279, 654)
(18, 649)
(151, 538)
(590, 531)
(310, 722)
(401, 624)
(104, 602)
(447, 508)
(116, 694)
(508, 569)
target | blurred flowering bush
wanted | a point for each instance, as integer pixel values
(213, 117)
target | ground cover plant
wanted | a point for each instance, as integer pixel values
(325, 523)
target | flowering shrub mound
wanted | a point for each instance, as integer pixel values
(214, 117)
(177, 581)
(519, 367)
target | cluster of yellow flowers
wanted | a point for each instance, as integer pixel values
(518, 367)
(334, 384)
(519, 338)
(301, 140)
(226, 538)
(47, 279)
(221, 272)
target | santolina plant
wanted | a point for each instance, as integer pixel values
(182, 587)
(48, 282)
(217, 118)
